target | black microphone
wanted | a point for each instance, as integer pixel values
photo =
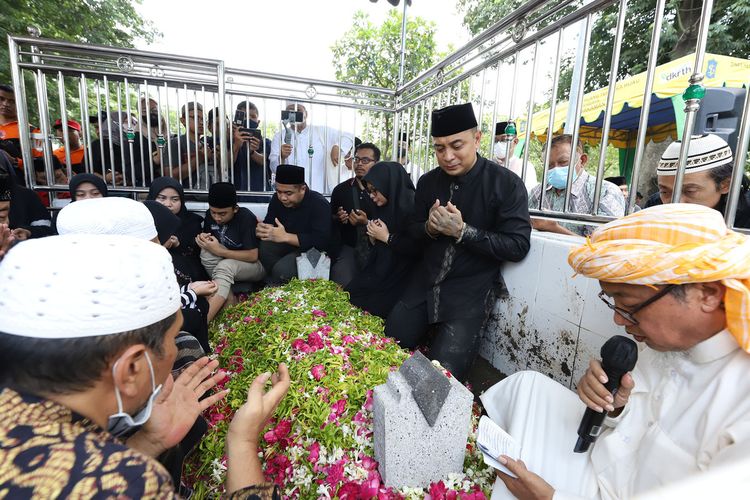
(619, 355)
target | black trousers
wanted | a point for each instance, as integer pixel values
(344, 267)
(455, 343)
(279, 260)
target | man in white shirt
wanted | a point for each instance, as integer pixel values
(503, 148)
(311, 147)
(684, 409)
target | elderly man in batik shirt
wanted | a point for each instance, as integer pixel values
(561, 159)
(88, 398)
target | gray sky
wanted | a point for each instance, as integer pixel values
(249, 34)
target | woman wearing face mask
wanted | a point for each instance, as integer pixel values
(377, 287)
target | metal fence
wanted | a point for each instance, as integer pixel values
(143, 115)
(503, 72)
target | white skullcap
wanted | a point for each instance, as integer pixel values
(706, 151)
(119, 284)
(107, 216)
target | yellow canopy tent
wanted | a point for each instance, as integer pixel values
(666, 116)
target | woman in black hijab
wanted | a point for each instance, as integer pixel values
(185, 253)
(377, 287)
(84, 186)
(192, 294)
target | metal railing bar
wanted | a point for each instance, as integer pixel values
(614, 66)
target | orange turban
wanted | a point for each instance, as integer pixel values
(676, 243)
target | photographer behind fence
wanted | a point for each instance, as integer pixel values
(150, 138)
(250, 176)
(310, 147)
(110, 152)
(188, 162)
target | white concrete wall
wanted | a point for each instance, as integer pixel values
(551, 322)
(199, 207)
(259, 209)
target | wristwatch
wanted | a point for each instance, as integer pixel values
(390, 238)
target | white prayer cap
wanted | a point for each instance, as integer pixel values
(107, 216)
(706, 151)
(119, 284)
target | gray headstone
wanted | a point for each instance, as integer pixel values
(411, 451)
(313, 264)
(313, 255)
(429, 387)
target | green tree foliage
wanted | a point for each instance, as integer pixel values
(369, 55)
(728, 33)
(101, 22)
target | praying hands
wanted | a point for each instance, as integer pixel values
(6, 239)
(377, 230)
(357, 217)
(275, 233)
(207, 242)
(177, 407)
(445, 220)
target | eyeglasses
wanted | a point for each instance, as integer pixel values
(363, 159)
(628, 315)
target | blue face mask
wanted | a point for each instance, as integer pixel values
(121, 423)
(558, 177)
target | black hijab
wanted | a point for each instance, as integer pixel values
(7, 178)
(186, 257)
(165, 221)
(391, 179)
(160, 184)
(79, 179)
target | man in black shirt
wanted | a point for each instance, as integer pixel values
(351, 207)
(229, 249)
(188, 160)
(298, 219)
(250, 176)
(471, 216)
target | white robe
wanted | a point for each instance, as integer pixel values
(516, 166)
(320, 174)
(689, 412)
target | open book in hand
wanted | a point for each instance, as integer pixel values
(493, 442)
